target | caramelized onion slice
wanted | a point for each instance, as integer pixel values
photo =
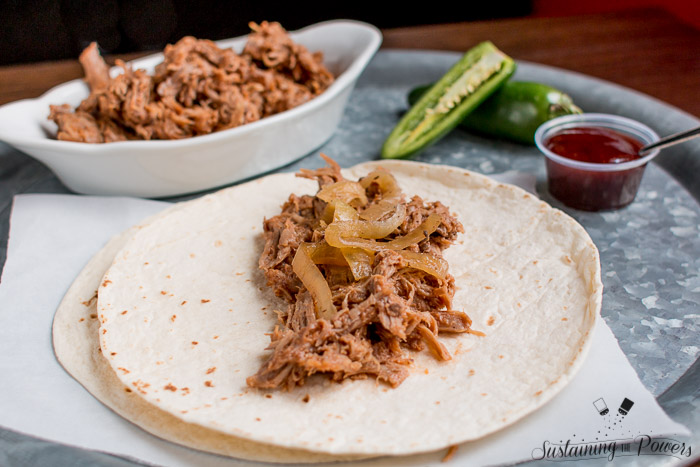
(314, 282)
(337, 236)
(390, 194)
(359, 260)
(323, 253)
(385, 181)
(426, 262)
(338, 210)
(379, 210)
(346, 191)
(370, 229)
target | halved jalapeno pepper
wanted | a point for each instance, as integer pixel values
(514, 111)
(481, 71)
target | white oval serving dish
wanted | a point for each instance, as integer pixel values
(161, 168)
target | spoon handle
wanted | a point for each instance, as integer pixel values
(671, 140)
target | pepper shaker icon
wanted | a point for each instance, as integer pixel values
(601, 406)
(625, 406)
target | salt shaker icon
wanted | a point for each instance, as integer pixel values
(600, 406)
(625, 406)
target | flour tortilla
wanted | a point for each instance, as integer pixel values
(77, 347)
(184, 311)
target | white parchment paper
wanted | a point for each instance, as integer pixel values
(53, 236)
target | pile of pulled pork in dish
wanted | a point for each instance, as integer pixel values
(197, 89)
(362, 271)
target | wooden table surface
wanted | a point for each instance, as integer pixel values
(647, 50)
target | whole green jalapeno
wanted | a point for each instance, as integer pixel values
(481, 71)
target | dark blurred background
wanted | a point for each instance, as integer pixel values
(34, 30)
(37, 30)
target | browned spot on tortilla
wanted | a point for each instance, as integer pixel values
(183, 411)
(183, 302)
(170, 387)
(106, 282)
(81, 320)
(163, 292)
(168, 277)
(500, 356)
(140, 386)
(173, 318)
(218, 243)
(208, 384)
(484, 394)
(268, 396)
(450, 453)
(91, 301)
(93, 316)
(306, 398)
(426, 371)
(104, 331)
(159, 363)
(519, 305)
(437, 402)
(215, 337)
(488, 287)
(330, 439)
(99, 350)
(224, 398)
(113, 353)
(538, 393)
(185, 391)
(125, 312)
(195, 342)
(565, 319)
(146, 263)
(191, 255)
(239, 273)
(490, 321)
(535, 262)
(257, 419)
(204, 300)
(211, 370)
(127, 390)
(566, 307)
(471, 372)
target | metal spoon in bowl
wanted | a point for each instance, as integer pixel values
(671, 140)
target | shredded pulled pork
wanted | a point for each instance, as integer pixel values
(394, 308)
(197, 89)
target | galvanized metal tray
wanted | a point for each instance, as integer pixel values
(650, 251)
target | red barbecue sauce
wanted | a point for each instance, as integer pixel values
(592, 190)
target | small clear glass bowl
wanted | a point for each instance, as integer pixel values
(592, 186)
